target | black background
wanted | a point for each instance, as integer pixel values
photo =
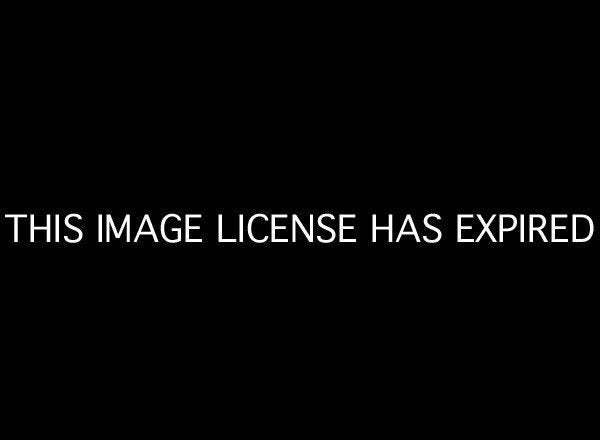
(386, 112)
